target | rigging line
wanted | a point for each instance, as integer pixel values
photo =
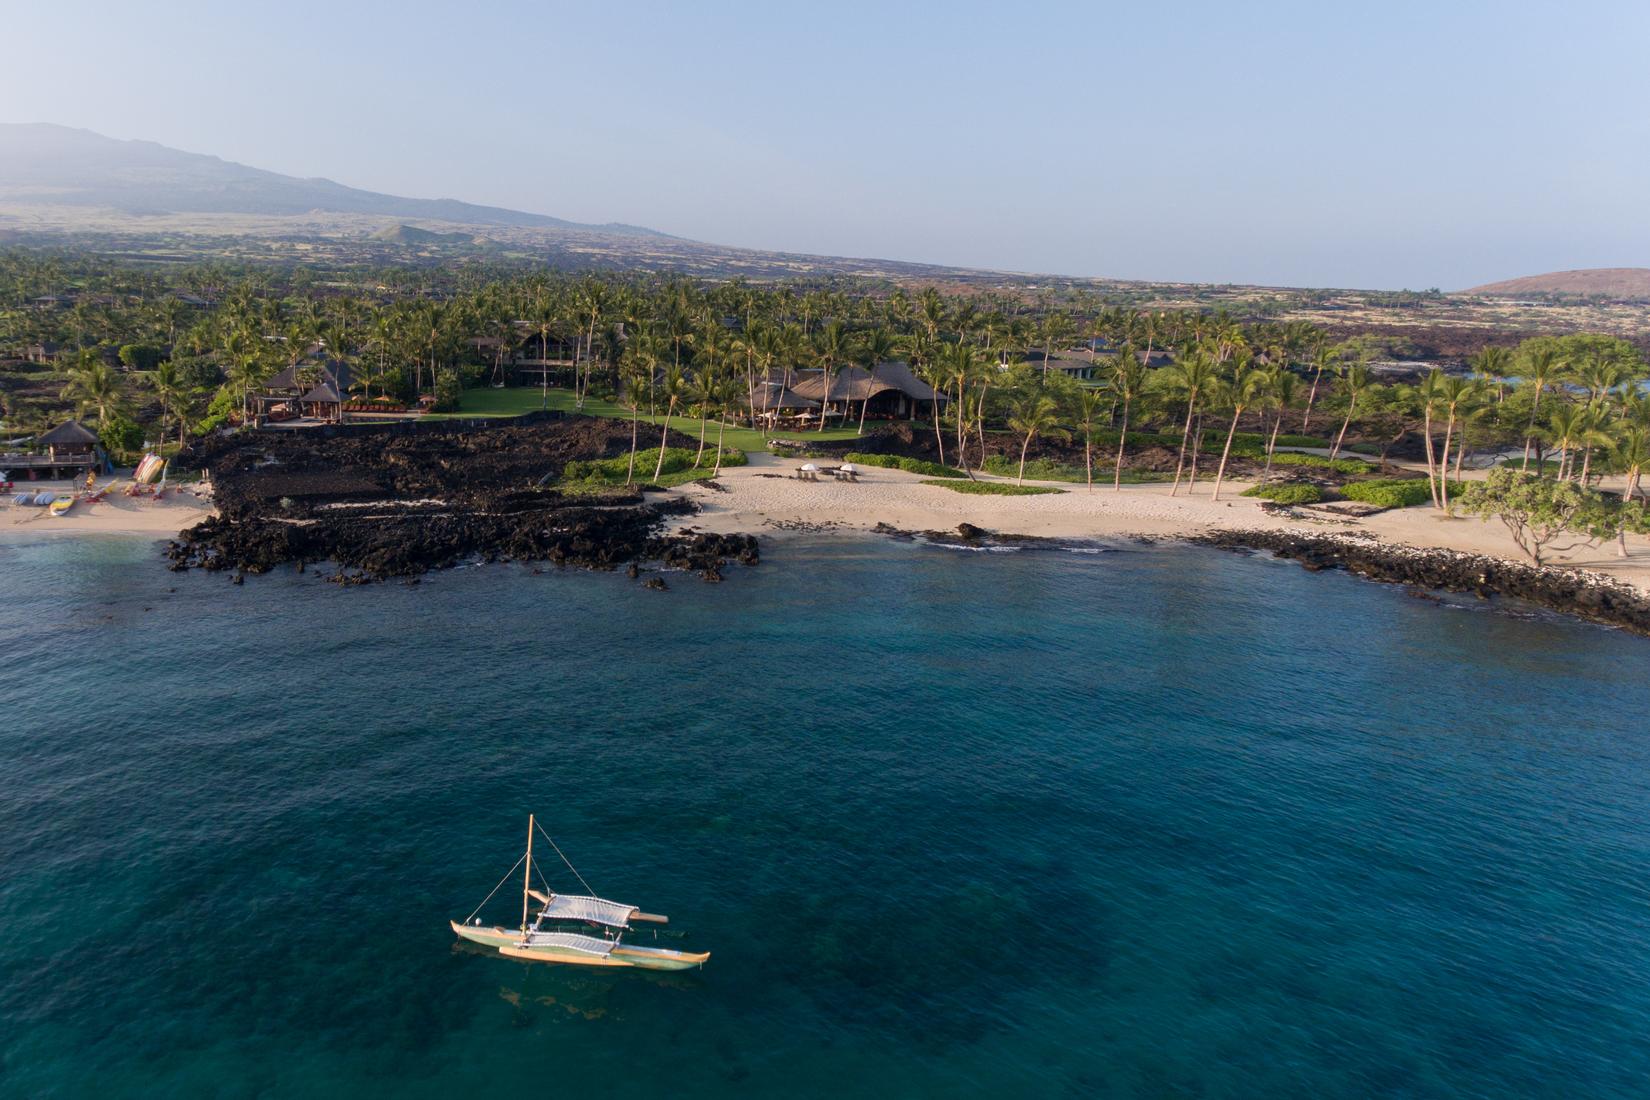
(564, 859)
(494, 890)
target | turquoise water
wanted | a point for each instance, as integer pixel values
(1151, 823)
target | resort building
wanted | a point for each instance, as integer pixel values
(888, 391)
(71, 450)
(314, 390)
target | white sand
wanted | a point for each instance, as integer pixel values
(116, 514)
(755, 501)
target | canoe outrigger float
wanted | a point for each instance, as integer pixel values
(536, 943)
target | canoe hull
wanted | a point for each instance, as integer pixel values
(507, 942)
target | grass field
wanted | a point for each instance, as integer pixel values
(515, 400)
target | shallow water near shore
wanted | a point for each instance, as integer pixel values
(1155, 822)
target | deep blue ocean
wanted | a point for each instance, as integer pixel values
(1161, 822)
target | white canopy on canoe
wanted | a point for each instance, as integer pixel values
(570, 941)
(598, 910)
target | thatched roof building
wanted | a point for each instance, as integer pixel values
(888, 389)
(69, 439)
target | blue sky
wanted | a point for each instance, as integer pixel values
(1379, 145)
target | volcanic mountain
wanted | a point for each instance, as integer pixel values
(1607, 282)
(45, 165)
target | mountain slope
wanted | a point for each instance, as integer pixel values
(1609, 282)
(42, 164)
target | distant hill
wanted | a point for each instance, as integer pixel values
(58, 166)
(411, 234)
(1608, 282)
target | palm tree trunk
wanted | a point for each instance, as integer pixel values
(664, 434)
(704, 430)
(635, 410)
(1185, 437)
(1088, 449)
(1122, 441)
(1443, 465)
(1024, 447)
(1529, 433)
(1426, 437)
(1336, 449)
(1311, 397)
(1220, 474)
(939, 439)
(1272, 444)
(721, 433)
(1197, 446)
(979, 420)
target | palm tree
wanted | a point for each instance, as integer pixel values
(1031, 416)
(1281, 384)
(832, 348)
(94, 384)
(1128, 378)
(1454, 394)
(169, 385)
(1428, 396)
(705, 392)
(675, 384)
(935, 374)
(1090, 399)
(1357, 381)
(874, 347)
(961, 364)
(1567, 429)
(1324, 359)
(1595, 421)
(1192, 375)
(1247, 390)
(728, 395)
(1541, 365)
(1057, 331)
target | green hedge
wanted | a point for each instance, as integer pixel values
(899, 462)
(1320, 462)
(1389, 492)
(1285, 492)
(994, 488)
(678, 465)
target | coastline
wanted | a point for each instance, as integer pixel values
(762, 498)
(114, 515)
(1414, 547)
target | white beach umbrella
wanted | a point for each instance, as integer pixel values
(809, 468)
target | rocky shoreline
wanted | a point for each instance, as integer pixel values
(380, 505)
(1577, 592)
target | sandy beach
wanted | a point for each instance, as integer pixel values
(116, 514)
(763, 498)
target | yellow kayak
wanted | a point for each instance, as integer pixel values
(61, 504)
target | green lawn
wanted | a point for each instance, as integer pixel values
(515, 400)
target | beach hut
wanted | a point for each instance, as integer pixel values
(70, 443)
(887, 391)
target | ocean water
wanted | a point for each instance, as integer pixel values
(1151, 823)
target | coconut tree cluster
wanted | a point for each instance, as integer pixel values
(160, 354)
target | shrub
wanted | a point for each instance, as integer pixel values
(1389, 492)
(678, 461)
(1042, 469)
(1286, 492)
(900, 462)
(1320, 462)
(1302, 441)
(994, 488)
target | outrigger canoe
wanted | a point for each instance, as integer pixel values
(556, 944)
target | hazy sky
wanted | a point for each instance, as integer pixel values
(1315, 143)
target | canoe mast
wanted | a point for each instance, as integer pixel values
(527, 875)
